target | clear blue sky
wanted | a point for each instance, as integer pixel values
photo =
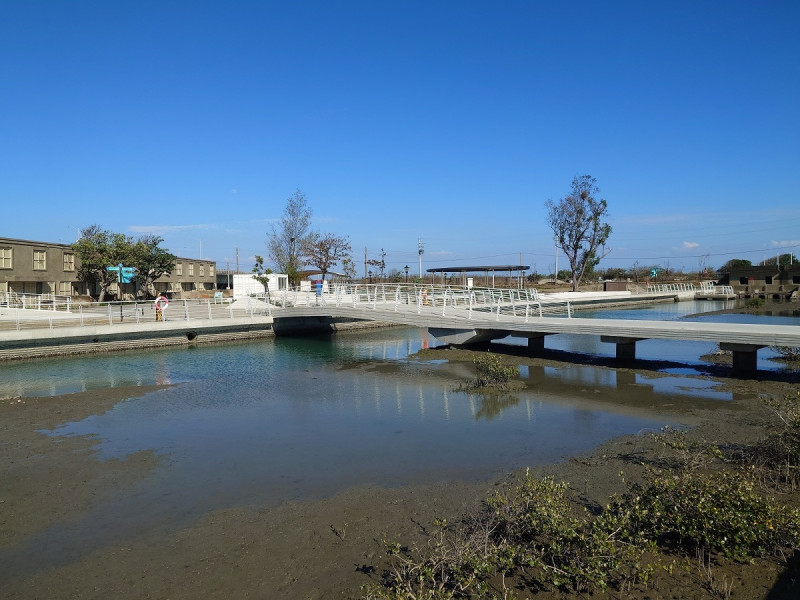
(453, 121)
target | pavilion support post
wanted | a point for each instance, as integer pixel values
(745, 356)
(626, 346)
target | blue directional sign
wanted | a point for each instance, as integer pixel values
(124, 274)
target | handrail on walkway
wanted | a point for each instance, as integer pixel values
(79, 314)
(446, 300)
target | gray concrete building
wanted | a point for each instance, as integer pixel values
(764, 280)
(31, 267)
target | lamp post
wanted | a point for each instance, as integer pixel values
(370, 275)
(406, 270)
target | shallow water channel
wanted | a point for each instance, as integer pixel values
(298, 418)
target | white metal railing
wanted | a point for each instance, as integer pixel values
(666, 288)
(66, 313)
(34, 301)
(718, 290)
(444, 300)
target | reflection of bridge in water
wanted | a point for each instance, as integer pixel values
(465, 317)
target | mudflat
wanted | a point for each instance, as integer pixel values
(326, 548)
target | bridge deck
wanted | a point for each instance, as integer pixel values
(753, 334)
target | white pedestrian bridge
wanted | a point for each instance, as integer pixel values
(453, 315)
(463, 317)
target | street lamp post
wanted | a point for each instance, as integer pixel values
(370, 275)
(406, 270)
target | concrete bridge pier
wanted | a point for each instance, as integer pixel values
(464, 337)
(626, 346)
(536, 342)
(745, 356)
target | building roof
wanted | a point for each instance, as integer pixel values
(479, 269)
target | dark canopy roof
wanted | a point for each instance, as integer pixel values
(477, 269)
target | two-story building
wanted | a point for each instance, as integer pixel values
(31, 267)
(764, 280)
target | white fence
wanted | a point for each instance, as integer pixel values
(666, 288)
(40, 312)
(51, 314)
(416, 298)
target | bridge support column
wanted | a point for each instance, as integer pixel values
(745, 356)
(465, 337)
(626, 346)
(536, 343)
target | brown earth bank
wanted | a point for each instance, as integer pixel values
(326, 548)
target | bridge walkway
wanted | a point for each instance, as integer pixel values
(461, 317)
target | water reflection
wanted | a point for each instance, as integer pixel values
(270, 421)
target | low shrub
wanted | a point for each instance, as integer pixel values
(492, 372)
(530, 535)
(723, 511)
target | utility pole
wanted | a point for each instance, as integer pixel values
(421, 251)
(555, 275)
(365, 263)
(237, 260)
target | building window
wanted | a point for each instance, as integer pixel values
(210, 270)
(6, 255)
(69, 262)
(39, 260)
(795, 278)
(191, 269)
(768, 279)
(202, 270)
(178, 269)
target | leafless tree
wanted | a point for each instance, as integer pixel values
(577, 222)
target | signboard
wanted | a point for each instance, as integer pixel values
(124, 274)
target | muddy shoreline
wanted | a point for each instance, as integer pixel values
(325, 548)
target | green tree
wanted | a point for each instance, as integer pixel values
(734, 264)
(150, 261)
(287, 238)
(783, 260)
(261, 274)
(325, 251)
(577, 220)
(97, 249)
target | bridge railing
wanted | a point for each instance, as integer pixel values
(80, 314)
(34, 301)
(445, 300)
(666, 288)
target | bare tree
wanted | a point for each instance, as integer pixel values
(287, 238)
(577, 222)
(325, 251)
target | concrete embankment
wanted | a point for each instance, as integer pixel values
(64, 341)
(44, 342)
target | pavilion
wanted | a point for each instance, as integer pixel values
(483, 270)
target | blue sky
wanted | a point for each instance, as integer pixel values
(453, 121)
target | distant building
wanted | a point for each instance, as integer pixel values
(763, 280)
(31, 267)
(245, 284)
